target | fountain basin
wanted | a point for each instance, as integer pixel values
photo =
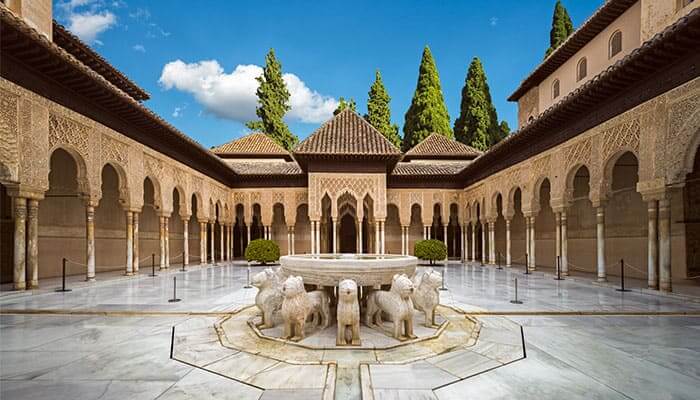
(365, 269)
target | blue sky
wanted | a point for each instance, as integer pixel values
(198, 59)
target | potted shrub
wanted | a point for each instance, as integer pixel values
(263, 251)
(430, 250)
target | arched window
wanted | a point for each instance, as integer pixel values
(615, 45)
(581, 69)
(555, 89)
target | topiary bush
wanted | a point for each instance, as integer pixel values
(431, 250)
(263, 251)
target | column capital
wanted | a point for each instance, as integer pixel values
(185, 217)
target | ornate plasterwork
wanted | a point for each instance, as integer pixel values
(8, 136)
(358, 185)
(152, 166)
(621, 136)
(114, 151)
(577, 153)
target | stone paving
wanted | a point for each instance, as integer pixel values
(112, 341)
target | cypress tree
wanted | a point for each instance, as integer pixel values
(477, 124)
(273, 103)
(378, 112)
(504, 129)
(562, 27)
(427, 113)
(343, 104)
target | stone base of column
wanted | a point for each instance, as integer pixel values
(128, 274)
(19, 286)
(33, 285)
(90, 279)
(602, 279)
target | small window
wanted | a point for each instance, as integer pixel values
(581, 69)
(555, 89)
(615, 45)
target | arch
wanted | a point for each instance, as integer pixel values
(615, 44)
(157, 195)
(182, 200)
(193, 228)
(240, 233)
(278, 227)
(302, 230)
(199, 211)
(536, 190)
(555, 89)
(608, 167)
(581, 69)
(691, 153)
(83, 184)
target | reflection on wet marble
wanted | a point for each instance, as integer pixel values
(127, 356)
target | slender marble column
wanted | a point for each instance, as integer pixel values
(564, 245)
(212, 243)
(509, 257)
(33, 242)
(161, 235)
(403, 240)
(484, 228)
(492, 242)
(318, 237)
(136, 243)
(557, 238)
(90, 240)
(533, 242)
(289, 240)
(294, 248)
(473, 242)
(230, 242)
(166, 226)
(600, 241)
(313, 238)
(222, 246)
(334, 226)
(527, 241)
(665, 245)
(202, 243)
(444, 234)
(129, 243)
(185, 242)
(377, 238)
(653, 260)
(20, 271)
(359, 234)
(383, 242)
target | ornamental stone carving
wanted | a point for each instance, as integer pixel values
(426, 296)
(114, 151)
(269, 297)
(9, 136)
(621, 136)
(348, 314)
(397, 304)
(297, 305)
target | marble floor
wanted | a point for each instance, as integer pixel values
(112, 340)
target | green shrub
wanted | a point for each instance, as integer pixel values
(262, 251)
(431, 250)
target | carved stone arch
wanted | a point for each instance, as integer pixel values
(492, 211)
(509, 201)
(85, 187)
(184, 200)
(124, 189)
(157, 192)
(688, 138)
(227, 213)
(568, 191)
(601, 189)
(218, 206)
(534, 204)
(200, 205)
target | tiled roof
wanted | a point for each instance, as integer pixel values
(254, 144)
(78, 49)
(262, 168)
(600, 20)
(418, 168)
(440, 146)
(347, 134)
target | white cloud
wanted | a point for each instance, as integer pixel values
(88, 25)
(178, 112)
(493, 21)
(139, 47)
(232, 96)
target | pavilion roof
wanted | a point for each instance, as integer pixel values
(253, 145)
(437, 146)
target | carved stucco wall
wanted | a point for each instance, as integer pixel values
(357, 185)
(32, 127)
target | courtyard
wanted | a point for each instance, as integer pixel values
(112, 340)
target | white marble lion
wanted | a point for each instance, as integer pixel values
(297, 305)
(269, 297)
(396, 303)
(426, 295)
(348, 314)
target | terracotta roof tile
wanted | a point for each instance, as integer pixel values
(347, 134)
(440, 146)
(262, 168)
(254, 144)
(414, 168)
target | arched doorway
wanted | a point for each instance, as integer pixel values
(348, 234)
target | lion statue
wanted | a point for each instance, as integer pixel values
(348, 314)
(396, 303)
(297, 305)
(426, 295)
(269, 297)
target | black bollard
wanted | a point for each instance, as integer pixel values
(247, 285)
(622, 277)
(516, 301)
(174, 299)
(63, 285)
(498, 260)
(558, 278)
(527, 266)
(444, 271)
(153, 264)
